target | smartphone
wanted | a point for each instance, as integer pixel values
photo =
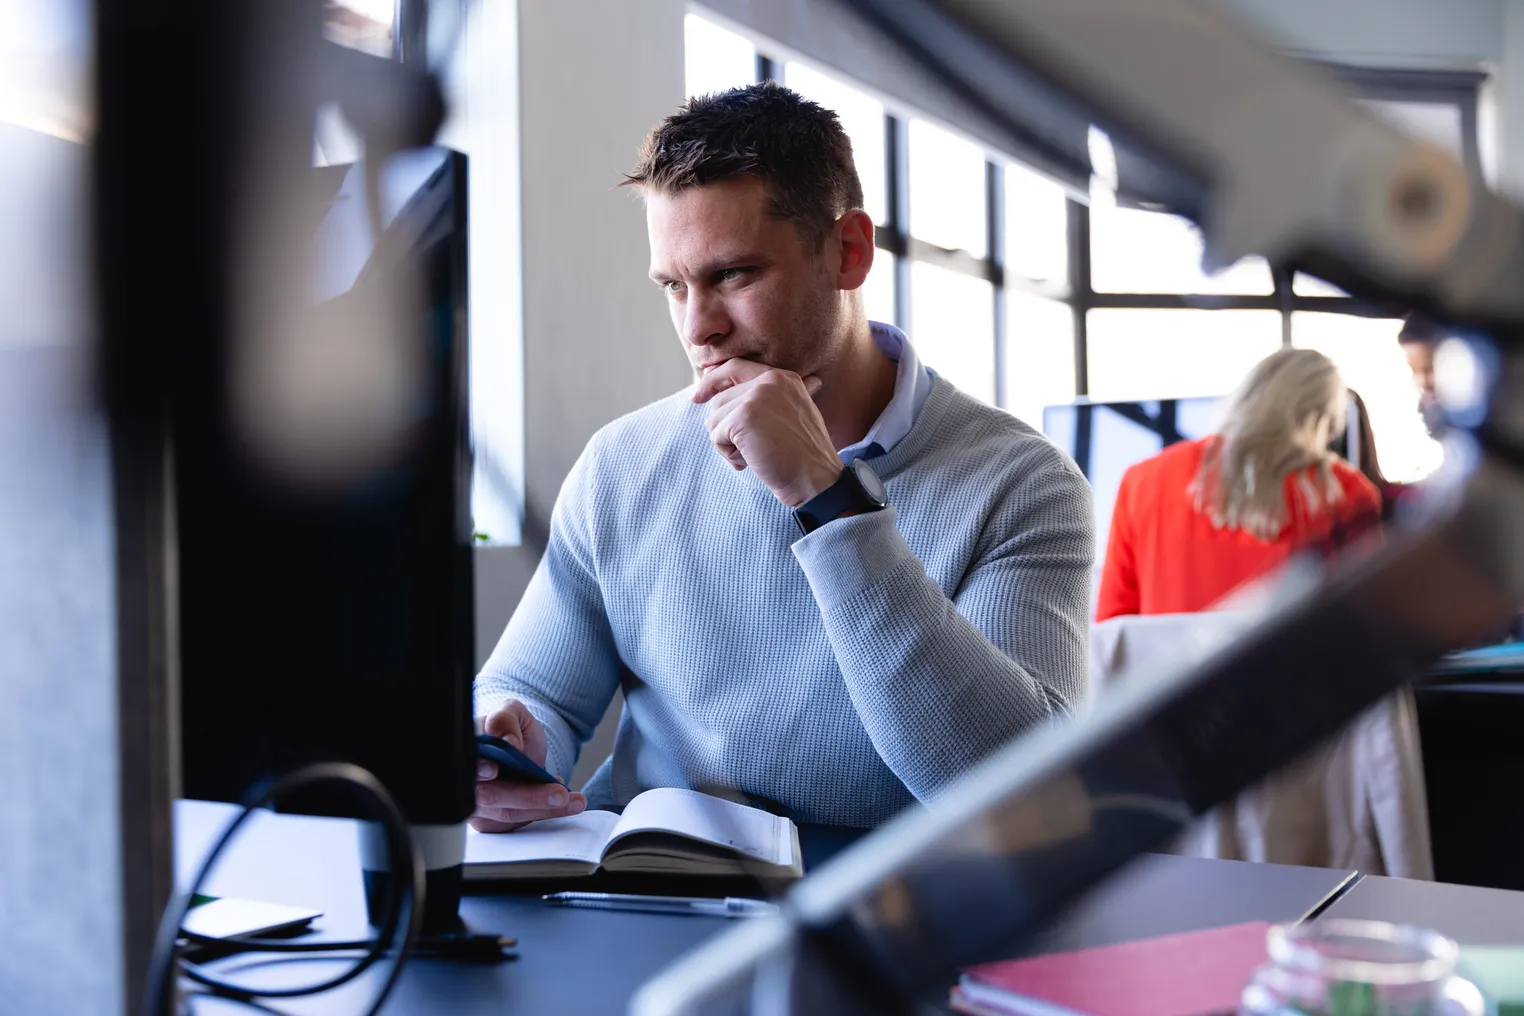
(227, 917)
(511, 762)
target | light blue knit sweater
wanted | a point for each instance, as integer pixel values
(841, 675)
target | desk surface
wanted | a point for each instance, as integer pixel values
(1160, 894)
(591, 961)
(569, 960)
(1471, 915)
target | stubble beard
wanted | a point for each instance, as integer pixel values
(814, 342)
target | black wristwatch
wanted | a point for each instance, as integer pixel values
(858, 488)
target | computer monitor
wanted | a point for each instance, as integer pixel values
(333, 619)
(1105, 438)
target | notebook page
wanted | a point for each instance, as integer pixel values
(574, 838)
(748, 831)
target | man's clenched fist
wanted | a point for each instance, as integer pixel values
(764, 419)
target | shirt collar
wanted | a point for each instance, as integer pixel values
(912, 386)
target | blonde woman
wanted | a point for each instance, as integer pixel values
(1203, 517)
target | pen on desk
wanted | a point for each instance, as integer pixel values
(730, 906)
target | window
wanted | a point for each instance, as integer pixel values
(862, 117)
(1038, 368)
(46, 63)
(481, 88)
(1134, 251)
(1036, 228)
(1025, 295)
(878, 291)
(1310, 285)
(714, 59)
(952, 323)
(947, 199)
(1151, 324)
(1367, 354)
(1139, 353)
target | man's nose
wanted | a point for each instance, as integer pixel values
(705, 321)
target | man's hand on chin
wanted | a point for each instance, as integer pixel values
(764, 419)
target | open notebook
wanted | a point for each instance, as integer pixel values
(664, 831)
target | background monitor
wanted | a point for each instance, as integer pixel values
(333, 620)
(1104, 438)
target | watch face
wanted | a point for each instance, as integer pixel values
(872, 485)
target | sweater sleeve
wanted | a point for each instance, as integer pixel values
(939, 683)
(1119, 592)
(557, 654)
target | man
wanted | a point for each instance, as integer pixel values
(778, 630)
(1419, 338)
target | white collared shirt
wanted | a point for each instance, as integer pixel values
(912, 386)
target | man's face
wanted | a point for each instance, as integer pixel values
(1420, 357)
(740, 283)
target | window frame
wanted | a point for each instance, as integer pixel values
(893, 234)
(1460, 88)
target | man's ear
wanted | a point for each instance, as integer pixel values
(854, 231)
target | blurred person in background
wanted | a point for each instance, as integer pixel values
(1204, 517)
(1419, 338)
(1368, 462)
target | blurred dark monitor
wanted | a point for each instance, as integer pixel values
(1105, 438)
(1468, 727)
(336, 623)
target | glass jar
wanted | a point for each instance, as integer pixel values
(1359, 968)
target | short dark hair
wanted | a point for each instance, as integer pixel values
(1419, 329)
(796, 147)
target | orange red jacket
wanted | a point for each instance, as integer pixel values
(1163, 556)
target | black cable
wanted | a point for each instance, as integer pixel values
(464, 945)
(406, 908)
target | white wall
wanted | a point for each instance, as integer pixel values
(595, 76)
(62, 877)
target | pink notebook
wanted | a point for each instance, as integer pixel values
(1194, 974)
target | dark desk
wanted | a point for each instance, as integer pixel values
(1468, 727)
(1466, 913)
(570, 961)
(1160, 894)
(589, 962)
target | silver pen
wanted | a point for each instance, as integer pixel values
(730, 906)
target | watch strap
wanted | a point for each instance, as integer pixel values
(846, 494)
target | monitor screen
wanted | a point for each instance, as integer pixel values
(1104, 438)
(334, 622)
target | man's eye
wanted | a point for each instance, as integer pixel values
(731, 274)
(672, 287)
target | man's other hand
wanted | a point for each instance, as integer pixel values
(503, 805)
(764, 419)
